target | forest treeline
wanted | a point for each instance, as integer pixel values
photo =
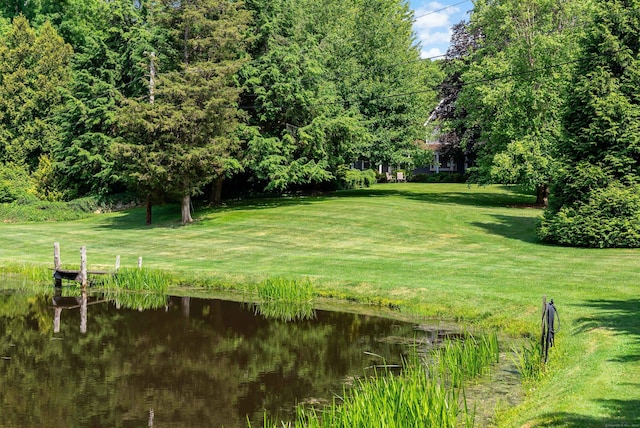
(168, 100)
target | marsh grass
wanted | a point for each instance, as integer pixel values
(31, 273)
(428, 391)
(286, 290)
(286, 299)
(528, 360)
(143, 279)
(460, 360)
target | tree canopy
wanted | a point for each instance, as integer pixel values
(168, 99)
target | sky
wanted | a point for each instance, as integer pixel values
(434, 20)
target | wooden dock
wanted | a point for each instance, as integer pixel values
(74, 275)
(79, 275)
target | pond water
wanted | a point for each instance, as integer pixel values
(96, 360)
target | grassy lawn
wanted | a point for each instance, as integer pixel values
(437, 250)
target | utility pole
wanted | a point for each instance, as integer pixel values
(152, 77)
(152, 87)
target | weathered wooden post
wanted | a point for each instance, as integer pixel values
(56, 255)
(83, 266)
(117, 263)
(57, 282)
(139, 262)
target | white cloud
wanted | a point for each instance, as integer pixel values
(433, 26)
(434, 53)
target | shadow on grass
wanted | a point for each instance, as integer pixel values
(168, 216)
(626, 414)
(512, 227)
(617, 315)
(512, 197)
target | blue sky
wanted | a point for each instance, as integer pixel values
(433, 23)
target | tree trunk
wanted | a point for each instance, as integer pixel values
(542, 195)
(216, 191)
(148, 210)
(186, 209)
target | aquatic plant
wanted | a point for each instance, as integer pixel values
(286, 299)
(468, 357)
(35, 273)
(428, 391)
(528, 360)
(137, 279)
(286, 290)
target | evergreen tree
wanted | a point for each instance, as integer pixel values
(34, 68)
(187, 137)
(596, 200)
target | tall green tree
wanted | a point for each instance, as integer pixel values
(596, 201)
(109, 66)
(34, 68)
(332, 82)
(513, 89)
(302, 131)
(187, 137)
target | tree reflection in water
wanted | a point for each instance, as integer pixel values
(139, 360)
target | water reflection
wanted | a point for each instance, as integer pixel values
(182, 362)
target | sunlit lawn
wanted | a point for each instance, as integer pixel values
(444, 250)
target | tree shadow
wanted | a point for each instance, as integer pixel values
(512, 227)
(511, 198)
(168, 215)
(627, 415)
(616, 315)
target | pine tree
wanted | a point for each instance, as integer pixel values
(187, 137)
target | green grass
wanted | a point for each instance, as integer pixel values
(435, 250)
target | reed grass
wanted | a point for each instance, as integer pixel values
(428, 392)
(460, 360)
(286, 299)
(143, 279)
(26, 272)
(528, 360)
(285, 290)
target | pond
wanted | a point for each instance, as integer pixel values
(92, 360)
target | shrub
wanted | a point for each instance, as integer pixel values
(354, 178)
(438, 177)
(609, 218)
(15, 184)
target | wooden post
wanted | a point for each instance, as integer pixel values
(117, 263)
(542, 325)
(83, 266)
(139, 262)
(56, 255)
